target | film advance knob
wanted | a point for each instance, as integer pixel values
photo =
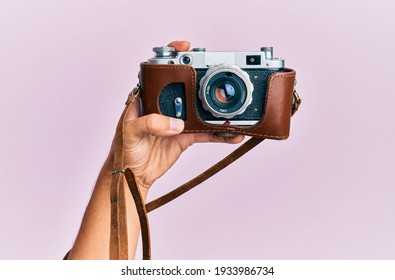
(164, 51)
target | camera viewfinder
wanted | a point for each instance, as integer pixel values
(253, 60)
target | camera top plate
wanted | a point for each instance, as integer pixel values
(200, 59)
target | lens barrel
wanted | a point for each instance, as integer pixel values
(225, 91)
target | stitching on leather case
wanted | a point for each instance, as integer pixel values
(246, 131)
(269, 95)
(235, 131)
(161, 66)
(191, 69)
(194, 93)
(214, 128)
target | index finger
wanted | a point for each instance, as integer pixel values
(180, 46)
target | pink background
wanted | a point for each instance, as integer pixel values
(66, 68)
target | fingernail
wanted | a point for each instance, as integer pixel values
(176, 124)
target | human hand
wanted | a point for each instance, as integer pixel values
(154, 142)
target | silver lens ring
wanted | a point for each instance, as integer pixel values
(204, 94)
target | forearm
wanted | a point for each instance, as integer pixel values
(93, 239)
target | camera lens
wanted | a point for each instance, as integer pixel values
(225, 91)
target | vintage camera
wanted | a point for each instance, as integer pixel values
(220, 92)
(231, 86)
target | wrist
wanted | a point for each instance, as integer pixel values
(108, 169)
(143, 186)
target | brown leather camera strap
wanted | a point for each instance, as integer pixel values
(236, 154)
(118, 233)
(142, 213)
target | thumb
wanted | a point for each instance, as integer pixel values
(155, 124)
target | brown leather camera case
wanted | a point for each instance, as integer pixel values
(275, 123)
